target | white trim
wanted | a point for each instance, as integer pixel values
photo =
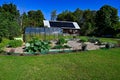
(76, 25)
(46, 23)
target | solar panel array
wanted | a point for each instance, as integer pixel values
(61, 24)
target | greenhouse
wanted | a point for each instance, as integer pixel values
(42, 33)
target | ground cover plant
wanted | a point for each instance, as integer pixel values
(37, 46)
(15, 43)
(88, 65)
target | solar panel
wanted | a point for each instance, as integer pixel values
(62, 24)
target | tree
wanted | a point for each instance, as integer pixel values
(106, 20)
(66, 16)
(79, 16)
(86, 20)
(53, 15)
(9, 26)
(35, 18)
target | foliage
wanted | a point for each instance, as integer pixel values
(37, 46)
(15, 43)
(106, 20)
(32, 18)
(84, 46)
(110, 45)
(93, 40)
(9, 25)
(4, 43)
(61, 41)
(66, 16)
(82, 40)
(88, 22)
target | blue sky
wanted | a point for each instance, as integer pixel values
(46, 6)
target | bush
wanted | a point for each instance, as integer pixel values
(58, 47)
(37, 46)
(15, 43)
(82, 40)
(84, 47)
(110, 45)
(93, 40)
(61, 41)
(4, 43)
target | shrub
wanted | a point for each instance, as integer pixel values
(4, 43)
(61, 41)
(84, 47)
(110, 45)
(82, 40)
(107, 45)
(93, 40)
(15, 43)
(37, 46)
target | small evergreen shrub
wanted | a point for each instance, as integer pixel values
(61, 41)
(93, 40)
(15, 43)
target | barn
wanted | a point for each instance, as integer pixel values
(66, 26)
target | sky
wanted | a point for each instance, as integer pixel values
(47, 6)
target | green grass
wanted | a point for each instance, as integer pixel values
(89, 65)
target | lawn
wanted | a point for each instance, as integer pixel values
(89, 65)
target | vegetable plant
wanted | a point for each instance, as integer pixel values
(37, 46)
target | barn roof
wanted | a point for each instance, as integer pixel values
(61, 24)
